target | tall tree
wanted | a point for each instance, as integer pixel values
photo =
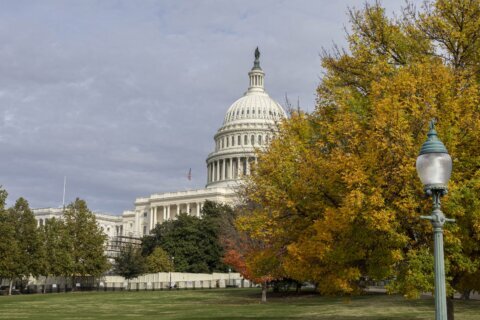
(10, 251)
(56, 255)
(86, 240)
(336, 195)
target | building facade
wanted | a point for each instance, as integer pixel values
(249, 123)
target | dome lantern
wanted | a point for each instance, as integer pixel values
(256, 75)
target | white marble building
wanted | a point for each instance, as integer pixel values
(249, 123)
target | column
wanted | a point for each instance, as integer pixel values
(247, 163)
(151, 218)
(155, 218)
(231, 168)
(198, 209)
(137, 222)
(188, 208)
(217, 170)
(178, 209)
(238, 167)
(224, 169)
(164, 213)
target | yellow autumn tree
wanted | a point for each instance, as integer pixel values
(336, 194)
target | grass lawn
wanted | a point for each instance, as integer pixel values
(220, 304)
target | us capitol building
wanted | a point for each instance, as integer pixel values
(249, 123)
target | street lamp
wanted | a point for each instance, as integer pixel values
(173, 259)
(434, 167)
(229, 281)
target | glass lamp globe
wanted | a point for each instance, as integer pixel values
(434, 164)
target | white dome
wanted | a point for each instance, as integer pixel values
(249, 124)
(254, 106)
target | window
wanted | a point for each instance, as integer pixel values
(252, 140)
(259, 139)
(228, 142)
(145, 214)
(239, 140)
(223, 143)
(233, 141)
(144, 230)
(245, 140)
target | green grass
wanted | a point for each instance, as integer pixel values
(220, 304)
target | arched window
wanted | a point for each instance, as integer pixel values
(259, 139)
(252, 140)
(239, 140)
(228, 142)
(223, 143)
(245, 140)
(233, 141)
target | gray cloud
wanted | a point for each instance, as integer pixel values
(123, 97)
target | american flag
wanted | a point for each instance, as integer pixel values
(189, 175)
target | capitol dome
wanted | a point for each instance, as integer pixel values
(249, 123)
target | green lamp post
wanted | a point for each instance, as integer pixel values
(434, 167)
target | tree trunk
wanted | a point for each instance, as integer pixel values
(10, 287)
(450, 308)
(264, 291)
(45, 285)
(466, 294)
(299, 287)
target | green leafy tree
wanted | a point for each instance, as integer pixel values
(192, 241)
(56, 256)
(27, 260)
(130, 263)
(159, 261)
(86, 241)
(9, 248)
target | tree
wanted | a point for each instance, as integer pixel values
(56, 257)
(130, 263)
(9, 248)
(26, 259)
(159, 261)
(336, 196)
(86, 240)
(253, 257)
(194, 242)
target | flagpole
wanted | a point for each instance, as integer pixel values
(64, 188)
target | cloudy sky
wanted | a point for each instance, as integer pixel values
(123, 97)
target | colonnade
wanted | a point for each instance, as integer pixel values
(229, 168)
(164, 212)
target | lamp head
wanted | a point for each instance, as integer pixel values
(434, 164)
